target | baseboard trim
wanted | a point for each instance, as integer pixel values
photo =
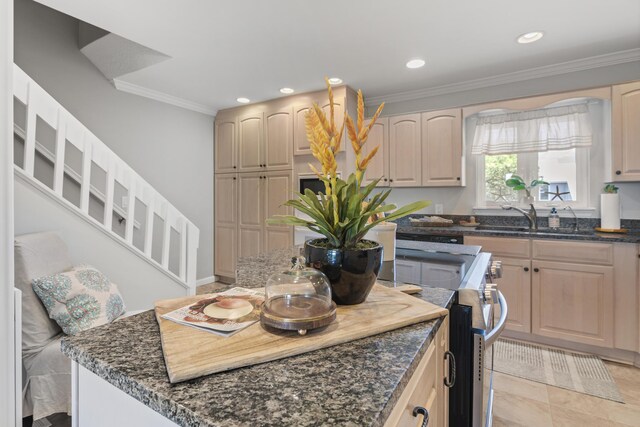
(206, 280)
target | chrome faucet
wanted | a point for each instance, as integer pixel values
(575, 218)
(532, 216)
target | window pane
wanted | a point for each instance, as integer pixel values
(496, 170)
(558, 168)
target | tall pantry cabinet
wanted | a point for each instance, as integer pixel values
(253, 178)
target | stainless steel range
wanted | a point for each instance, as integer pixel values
(473, 328)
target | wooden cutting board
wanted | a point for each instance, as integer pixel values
(190, 353)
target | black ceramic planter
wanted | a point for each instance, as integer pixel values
(352, 273)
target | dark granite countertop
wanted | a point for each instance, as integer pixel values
(352, 384)
(586, 229)
(633, 236)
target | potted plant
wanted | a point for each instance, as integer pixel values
(517, 183)
(345, 211)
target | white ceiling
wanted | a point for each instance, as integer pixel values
(224, 49)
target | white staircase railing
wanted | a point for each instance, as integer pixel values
(40, 104)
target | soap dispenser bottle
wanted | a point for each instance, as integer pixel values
(554, 219)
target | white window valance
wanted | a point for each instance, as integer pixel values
(555, 128)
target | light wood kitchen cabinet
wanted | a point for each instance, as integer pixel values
(426, 387)
(226, 224)
(405, 152)
(226, 145)
(574, 292)
(244, 201)
(515, 283)
(573, 302)
(278, 139)
(442, 148)
(625, 126)
(261, 195)
(250, 214)
(265, 140)
(379, 165)
(250, 142)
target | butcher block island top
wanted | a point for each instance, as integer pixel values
(356, 383)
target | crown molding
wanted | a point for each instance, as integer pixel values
(592, 62)
(163, 97)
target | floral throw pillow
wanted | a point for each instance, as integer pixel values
(79, 299)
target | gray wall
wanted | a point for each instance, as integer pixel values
(139, 282)
(463, 200)
(170, 147)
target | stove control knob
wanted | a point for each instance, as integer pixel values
(491, 293)
(496, 269)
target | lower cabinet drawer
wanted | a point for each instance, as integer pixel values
(422, 390)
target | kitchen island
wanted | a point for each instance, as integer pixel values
(357, 383)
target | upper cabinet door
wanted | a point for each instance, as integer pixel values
(278, 139)
(442, 148)
(379, 165)
(300, 141)
(625, 125)
(405, 151)
(250, 129)
(226, 147)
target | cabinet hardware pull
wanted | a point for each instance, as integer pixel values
(420, 410)
(234, 167)
(536, 269)
(618, 172)
(526, 269)
(385, 180)
(458, 178)
(234, 178)
(450, 382)
(390, 180)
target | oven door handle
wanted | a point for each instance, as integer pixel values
(490, 338)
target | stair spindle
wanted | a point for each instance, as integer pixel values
(85, 187)
(58, 165)
(108, 197)
(182, 269)
(30, 132)
(148, 230)
(131, 202)
(166, 238)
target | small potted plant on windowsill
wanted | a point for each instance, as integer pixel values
(517, 183)
(346, 211)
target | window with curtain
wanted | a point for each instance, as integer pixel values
(552, 143)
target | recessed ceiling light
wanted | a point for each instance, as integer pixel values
(415, 63)
(530, 37)
(335, 80)
(286, 90)
(243, 100)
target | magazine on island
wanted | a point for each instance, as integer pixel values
(223, 313)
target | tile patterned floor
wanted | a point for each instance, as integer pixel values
(521, 402)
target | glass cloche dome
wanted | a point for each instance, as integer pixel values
(298, 299)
